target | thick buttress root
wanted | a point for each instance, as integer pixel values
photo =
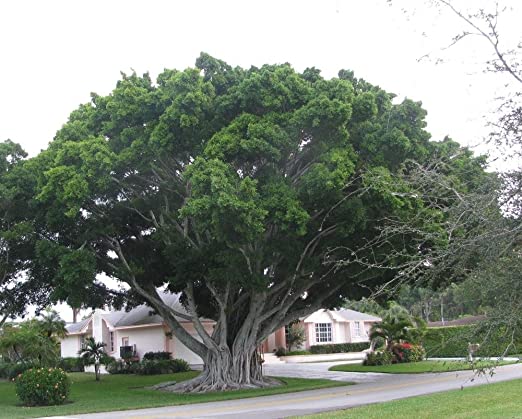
(222, 372)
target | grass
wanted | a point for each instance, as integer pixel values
(122, 392)
(417, 367)
(499, 400)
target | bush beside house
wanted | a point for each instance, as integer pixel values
(148, 366)
(335, 348)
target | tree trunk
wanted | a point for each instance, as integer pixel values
(224, 370)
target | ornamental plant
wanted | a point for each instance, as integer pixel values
(42, 386)
(407, 352)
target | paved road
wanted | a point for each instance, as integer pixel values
(376, 388)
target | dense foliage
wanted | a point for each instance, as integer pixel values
(379, 358)
(158, 355)
(33, 342)
(453, 341)
(148, 366)
(72, 364)
(42, 386)
(334, 348)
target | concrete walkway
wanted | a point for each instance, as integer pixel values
(377, 388)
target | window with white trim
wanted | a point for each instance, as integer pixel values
(357, 332)
(323, 332)
(82, 341)
(111, 341)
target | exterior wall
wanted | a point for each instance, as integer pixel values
(280, 338)
(340, 332)
(146, 339)
(97, 326)
(106, 338)
(70, 346)
(365, 331)
(310, 335)
(271, 340)
(179, 350)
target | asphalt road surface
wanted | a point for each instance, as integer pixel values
(375, 388)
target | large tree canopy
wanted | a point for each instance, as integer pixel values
(17, 234)
(238, 188)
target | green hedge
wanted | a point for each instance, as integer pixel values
(10, 370)
(148, 367)
(71, 364)
(335, 348)
(453, 341)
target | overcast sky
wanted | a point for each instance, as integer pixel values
(54, 53)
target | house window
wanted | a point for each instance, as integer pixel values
(357, 329)
(111, 341)
(124, 341)
(323, 332)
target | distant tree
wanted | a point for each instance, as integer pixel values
(28, 342)
(93, 353)
(365, 305)
(498, 247)
(52, 324)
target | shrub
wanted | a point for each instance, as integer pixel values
(162, 366)
(120, 366)
(158, 356)
(339, 348)
(280, 352)
(148, 367)
(407, 352)
(415, 353)
(11, 370)
(179, 365)
(42, 386)
(71, 364)
(378, 358)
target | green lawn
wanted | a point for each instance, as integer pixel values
(499, 400)
(121, 392)
(416, 367)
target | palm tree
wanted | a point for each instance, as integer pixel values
(396, 325)
(52, 324)
(93, 352)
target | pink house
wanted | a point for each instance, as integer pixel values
(337, 326)
(138, 331)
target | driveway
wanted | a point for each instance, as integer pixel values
(320, 370)
(376, 388)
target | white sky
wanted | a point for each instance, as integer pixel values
(54, 53)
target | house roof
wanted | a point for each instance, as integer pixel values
(138, 316)
(77, 327)
(142, 315)
(346, 315)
